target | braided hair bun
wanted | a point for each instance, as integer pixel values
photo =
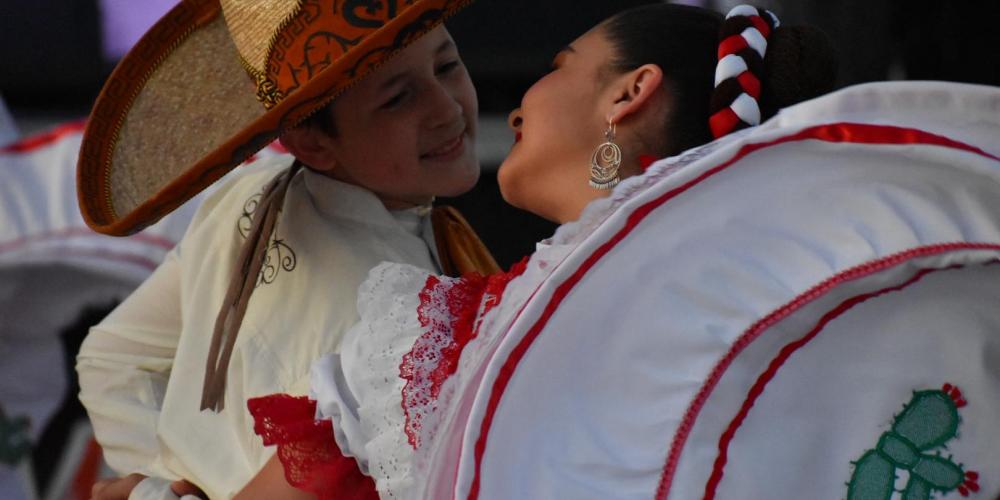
(764, 67)
(799, 63)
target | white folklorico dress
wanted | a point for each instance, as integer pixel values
(805, 309)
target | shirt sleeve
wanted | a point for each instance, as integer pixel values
(124, 365)
(153, 488)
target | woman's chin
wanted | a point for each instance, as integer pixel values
(516, 193)
(509, 187)
(509, 198)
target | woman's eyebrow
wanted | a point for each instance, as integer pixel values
(447, 44)
(562, 54)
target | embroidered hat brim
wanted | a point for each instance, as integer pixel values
(180, 110)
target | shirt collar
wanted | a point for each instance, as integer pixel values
(337, 199)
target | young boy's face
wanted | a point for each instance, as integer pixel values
(407, 132)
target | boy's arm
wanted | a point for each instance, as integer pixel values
(123, 366)
(270, 483)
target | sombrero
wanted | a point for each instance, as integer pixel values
(215, 81)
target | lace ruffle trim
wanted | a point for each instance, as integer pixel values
(450, 314)
(308, 452)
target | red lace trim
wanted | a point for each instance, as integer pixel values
(308, 452)
(449, 313)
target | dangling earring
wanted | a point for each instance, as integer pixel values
(605, 161)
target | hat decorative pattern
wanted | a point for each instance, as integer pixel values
(927, 422)
(314, 34)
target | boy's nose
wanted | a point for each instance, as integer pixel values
(446, 110)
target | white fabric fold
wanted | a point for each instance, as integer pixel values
(360, 390)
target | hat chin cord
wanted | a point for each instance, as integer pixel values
(241, 287)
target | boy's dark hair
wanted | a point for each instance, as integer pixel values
(322, 120)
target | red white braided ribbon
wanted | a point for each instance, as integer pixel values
(745, 107)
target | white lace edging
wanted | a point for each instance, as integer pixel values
(365, 407)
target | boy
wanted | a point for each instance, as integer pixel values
(300, 240)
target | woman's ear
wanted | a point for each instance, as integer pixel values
(311, 146)
(635, 90)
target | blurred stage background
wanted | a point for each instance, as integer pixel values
(56, 53)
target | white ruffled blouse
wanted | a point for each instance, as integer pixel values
(391, 385)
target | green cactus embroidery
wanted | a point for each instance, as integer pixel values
(927, 422)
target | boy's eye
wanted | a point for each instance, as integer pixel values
(447, 67)
(395, 101)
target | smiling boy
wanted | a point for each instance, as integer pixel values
(283, 246)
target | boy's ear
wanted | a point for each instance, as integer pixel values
(311, 146)
(634, 90)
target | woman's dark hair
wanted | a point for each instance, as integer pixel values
(683, 41)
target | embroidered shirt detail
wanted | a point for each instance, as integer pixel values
(279, 256)
(926, 423)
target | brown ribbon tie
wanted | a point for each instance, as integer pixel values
(241, 287)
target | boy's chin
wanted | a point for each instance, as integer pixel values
(460, 188)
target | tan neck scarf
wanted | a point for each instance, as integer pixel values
(459, 248)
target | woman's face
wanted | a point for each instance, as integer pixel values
(561, 121)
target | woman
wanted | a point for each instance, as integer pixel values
(639, 86)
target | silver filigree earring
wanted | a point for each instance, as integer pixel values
(606, 161)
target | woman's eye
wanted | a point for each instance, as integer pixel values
(447, 67)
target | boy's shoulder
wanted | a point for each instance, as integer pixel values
(237, 189)
(245, 180)
(254, 174)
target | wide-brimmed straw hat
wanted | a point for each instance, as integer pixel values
(215, 81)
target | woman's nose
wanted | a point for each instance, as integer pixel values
(514, 120)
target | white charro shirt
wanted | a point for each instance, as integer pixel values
(141, 370)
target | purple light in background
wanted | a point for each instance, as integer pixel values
(123, 22)
(695, 3)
